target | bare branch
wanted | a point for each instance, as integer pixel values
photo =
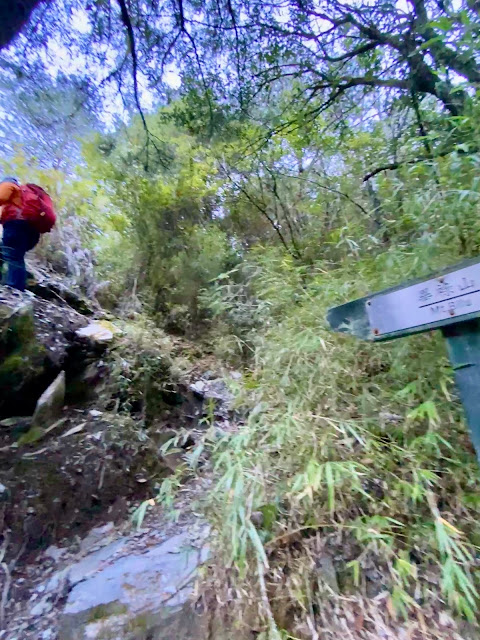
(184, 30)
(133, 52)
(262, 209)
(342, 84)
(403, 163)
(326, 188)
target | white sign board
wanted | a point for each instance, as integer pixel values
(450, 296)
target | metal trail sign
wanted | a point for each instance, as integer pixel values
(449, 301)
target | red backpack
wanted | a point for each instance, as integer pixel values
(37, 208)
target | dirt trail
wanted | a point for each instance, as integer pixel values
(73, 565)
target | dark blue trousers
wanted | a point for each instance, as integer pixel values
(18, 237)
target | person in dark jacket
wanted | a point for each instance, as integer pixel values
(19, 236)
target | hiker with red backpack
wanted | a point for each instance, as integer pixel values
(26, 212)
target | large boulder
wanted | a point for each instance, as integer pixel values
(140, 596)
(50, 286)
(36, 338)
(22, 356)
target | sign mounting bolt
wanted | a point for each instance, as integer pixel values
(452, 312)
(376, 332)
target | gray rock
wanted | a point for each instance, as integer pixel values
(98, 535)
(16, 321)
(54, 553)
(218, 390)
(94, 562)
(97, 332)
(22, 357)
(215, 390)
(50, 403)
(69, 576)
(42, 607)
(198, 388)
(58, 582)
(50, 288)
(138, 597)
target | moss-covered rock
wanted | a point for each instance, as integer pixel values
(36, 338)
(22, 357)
(24, 364)
(17, 326)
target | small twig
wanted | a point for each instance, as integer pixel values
(327, 188)
(5, 591)
(31, 454)
(136, 94)
(3, 549)
(8, 568)
(102, 476)
(274, 633)
(403, 163)
(133, 52)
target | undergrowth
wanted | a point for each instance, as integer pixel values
(349, 501)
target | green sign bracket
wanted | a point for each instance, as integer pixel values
(448, 301)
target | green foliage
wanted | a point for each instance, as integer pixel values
(171, 234)
(253, 228)
(142, 381)
(358, 442)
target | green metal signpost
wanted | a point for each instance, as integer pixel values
(449, 301)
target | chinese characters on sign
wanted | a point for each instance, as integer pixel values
(449, 302)
(445, 297)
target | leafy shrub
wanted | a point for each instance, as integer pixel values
(359, 450)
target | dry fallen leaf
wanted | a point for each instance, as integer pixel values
(359, 620)
(391, 608)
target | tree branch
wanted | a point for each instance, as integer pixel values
(325, 188)
(263, 210)
(353, 53)
(184, 30)
(133, 52)
(464, 65)
(342, 84)
(403, 163)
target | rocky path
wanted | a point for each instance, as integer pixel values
(117, 582)
(120, 582)
(72, 564)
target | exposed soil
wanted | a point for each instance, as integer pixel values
(103, 456)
